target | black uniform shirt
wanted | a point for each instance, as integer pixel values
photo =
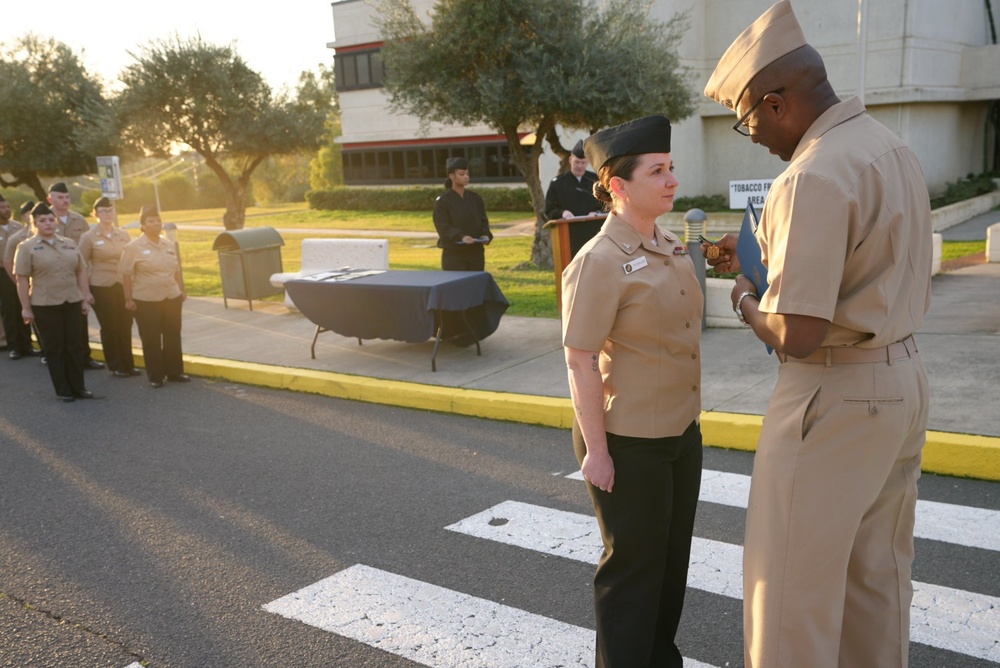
(456, 216)
(566, 193)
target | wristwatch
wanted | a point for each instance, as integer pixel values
(739, 303)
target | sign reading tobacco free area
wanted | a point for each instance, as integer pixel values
(753, 192)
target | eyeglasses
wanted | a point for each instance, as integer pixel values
(741, 125)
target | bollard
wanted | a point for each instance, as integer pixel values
(695, 223)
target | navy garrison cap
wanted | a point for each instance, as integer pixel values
(650, 134)
(41, 209)
(578, 150)
(148, 211)
(102, 203)
(26, 207)
(457, 163)
(58, 187)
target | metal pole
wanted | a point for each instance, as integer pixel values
(862, 46)
(695, 223)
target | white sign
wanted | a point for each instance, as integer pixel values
(753, 191)
(110, 174)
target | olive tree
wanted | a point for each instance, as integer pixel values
(54, 117)
(206, 97)
(524, 66)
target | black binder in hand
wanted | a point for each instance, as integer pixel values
(748, 252)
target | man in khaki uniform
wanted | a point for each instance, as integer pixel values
(18, 332)
(72, 225)
(846, 238)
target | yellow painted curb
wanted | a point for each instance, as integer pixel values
(962, 455)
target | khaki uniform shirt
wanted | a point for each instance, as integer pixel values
(640, 304)
(13, 240)
(846, 232)
(52, 268)
(103, 252)
(74, 227)
(152, 267)
(6, 232)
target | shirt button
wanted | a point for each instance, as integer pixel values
(688, 325)
(666, 262)
(694, 356)
(873, 410)
(694, 388)
(683, 293)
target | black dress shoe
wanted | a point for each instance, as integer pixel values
(16, 354)
(44, 359)
(121, 374)
(134, 372)
(86, 394)
(156, 384)
(179, 378)
(67, 400)
(31, 352)
(93, 364)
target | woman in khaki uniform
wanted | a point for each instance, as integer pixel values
(53, 290)
(102, 247)
(154, 290)
(632, 310)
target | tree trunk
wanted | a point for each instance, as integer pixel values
(541, 247)
(29, 179)
(236, 208)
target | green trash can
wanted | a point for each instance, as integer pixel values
(247, 258)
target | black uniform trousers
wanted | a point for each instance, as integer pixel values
(646, 521)
(18, 333)
(160, 331)
(463, 257)
(59, 329)
(116, 326)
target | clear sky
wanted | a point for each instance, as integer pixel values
(279, 39)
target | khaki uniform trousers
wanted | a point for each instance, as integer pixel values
(829, 534)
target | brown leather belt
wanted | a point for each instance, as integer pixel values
(850, 355)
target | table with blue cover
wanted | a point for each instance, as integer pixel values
(461, 307)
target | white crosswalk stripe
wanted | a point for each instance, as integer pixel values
(951, 619)
(946, 522)
(442, 628)
(435, 626)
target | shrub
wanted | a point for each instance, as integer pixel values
(963, 189)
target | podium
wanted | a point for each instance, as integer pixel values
(568, 236)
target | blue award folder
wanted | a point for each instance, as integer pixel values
(748, 252)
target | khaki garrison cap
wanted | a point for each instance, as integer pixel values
(777, 32)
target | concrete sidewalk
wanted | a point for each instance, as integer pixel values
(521, 375)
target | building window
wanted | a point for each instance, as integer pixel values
(488, 162)
(356, 70)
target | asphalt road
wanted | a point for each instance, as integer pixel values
(154, 526)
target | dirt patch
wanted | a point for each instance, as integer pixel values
(962, 262)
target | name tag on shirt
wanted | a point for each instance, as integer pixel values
(635, 265)
(99, 242)
(147, 252)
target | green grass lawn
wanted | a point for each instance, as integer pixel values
(955, 249)
(531, 292)
(291, 216)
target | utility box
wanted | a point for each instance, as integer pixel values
(247, 258)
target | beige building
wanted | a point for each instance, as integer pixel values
(927, 69)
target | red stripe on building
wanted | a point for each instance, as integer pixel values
(359, 47)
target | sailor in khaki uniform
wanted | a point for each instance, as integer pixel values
(72, 225)
(631, 306)
(846, 238)
(102, 248)
(154, 290)
(52, 286)
(18, 334)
